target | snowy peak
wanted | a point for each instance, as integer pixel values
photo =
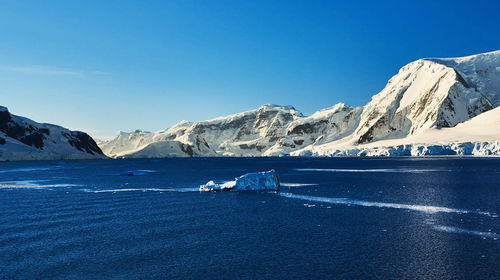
(126, 141)
(423, 94)
(24, 139)
(268, 130)
(477, 59)
(481, 72)
(479, 136)
(249, 132)
(323, 126)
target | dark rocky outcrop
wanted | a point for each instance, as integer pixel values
(307, 128)
(83, 142)
(252, 146)
(188, 149)
(46, 137)
(29, 135)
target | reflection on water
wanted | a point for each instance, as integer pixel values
(421, 208)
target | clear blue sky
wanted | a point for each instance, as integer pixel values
(104, 66)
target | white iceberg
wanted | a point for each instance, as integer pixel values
(258, 181)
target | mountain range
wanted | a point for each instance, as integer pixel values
(432, 106)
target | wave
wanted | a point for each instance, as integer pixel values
(484, 234)
(391, 170)
(143, 190)
(127, 190)
(420, 208)
(23, 182)
(291, 185)
(33, 184)
(28, 169)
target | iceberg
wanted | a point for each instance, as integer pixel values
(258, 181)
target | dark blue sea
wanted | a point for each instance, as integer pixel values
(335, 218)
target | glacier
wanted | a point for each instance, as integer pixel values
(258, 181)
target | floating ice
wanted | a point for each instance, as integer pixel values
(137, 172)
(259, 181)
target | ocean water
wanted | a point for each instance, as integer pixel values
(339, 218)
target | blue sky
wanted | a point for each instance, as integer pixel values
(105, 66)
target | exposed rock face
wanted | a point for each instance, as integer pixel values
(268, 130)
(481, 72)
(83, 142)
(27, 134)
(248, 133)
(478, 136)
(427, 93)
(22, 138)
(323, 126)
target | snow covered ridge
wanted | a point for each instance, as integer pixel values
(268, 130)
(259, 181)
(24, 139)
(425, 98)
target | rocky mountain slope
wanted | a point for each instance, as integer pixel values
(24, 139)
(424, 95)
(479, 136)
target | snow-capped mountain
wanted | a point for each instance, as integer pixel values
(431, 93)
(425, 95)
(244, 134)
(478, 136)
(24, 139)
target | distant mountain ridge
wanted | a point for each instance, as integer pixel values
(425, 94)
(24, 139)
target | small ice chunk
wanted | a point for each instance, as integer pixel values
(211, 186)
(136, 172)
(259, 181)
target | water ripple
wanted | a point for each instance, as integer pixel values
(484, 234)
(421, 208)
